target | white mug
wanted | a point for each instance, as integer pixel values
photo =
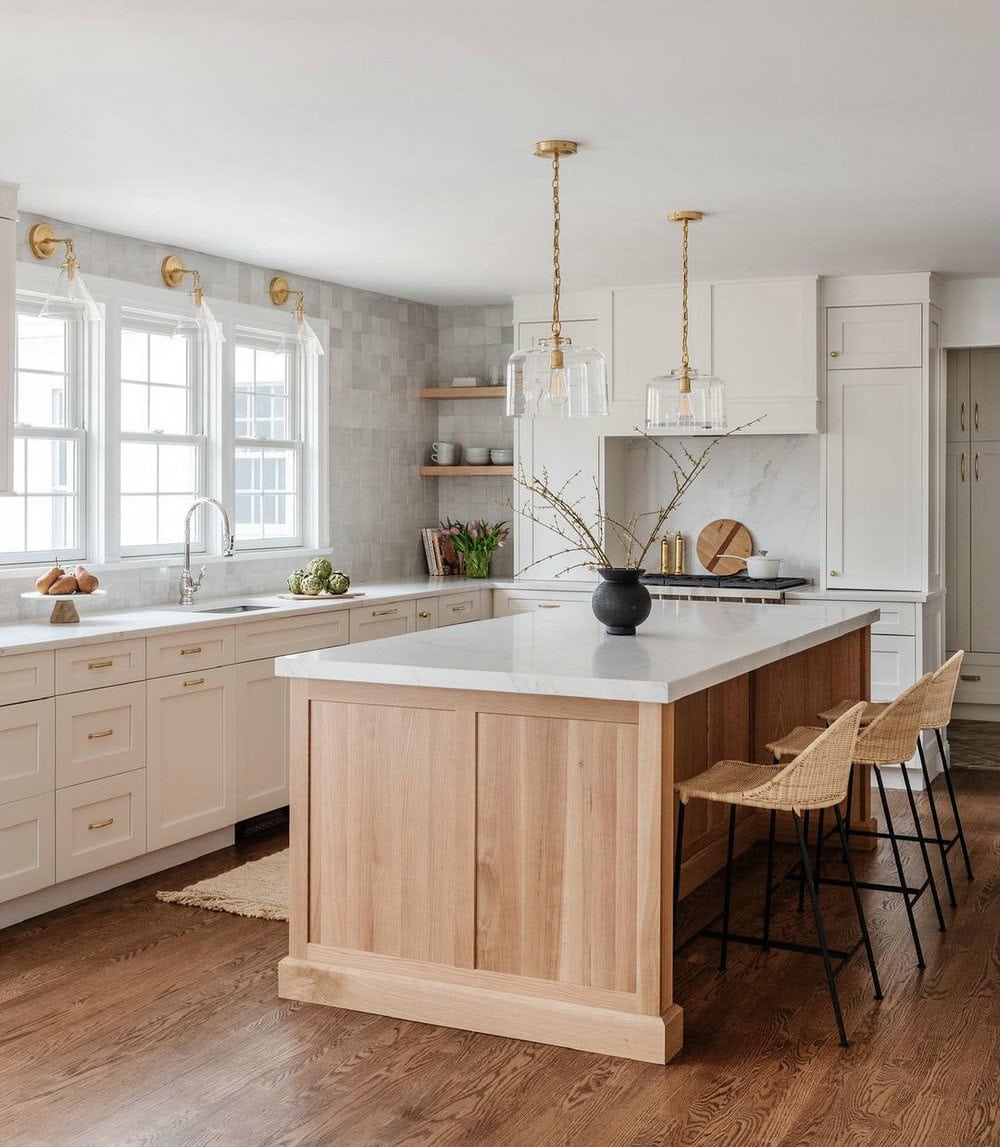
(444, 453)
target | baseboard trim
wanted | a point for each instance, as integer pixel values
(93, 883)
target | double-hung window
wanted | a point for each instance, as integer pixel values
(268, 446)
(45, 518)
(162, 419)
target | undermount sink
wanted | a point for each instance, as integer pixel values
(234, 608)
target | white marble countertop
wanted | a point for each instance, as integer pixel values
(96, 625)
(683, 648)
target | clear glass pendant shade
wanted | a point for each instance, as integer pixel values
(71, 299)
(204, 322)
(670, 407)
(304, 338)
(576, 389)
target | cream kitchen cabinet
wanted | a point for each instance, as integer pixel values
(458, 608)
(874, 337)
(507, 602)
(27, 750)
(985, 547)
(371, 622)
(261, 738)
(190, 754)
(94, 666)
(958, 406)
(984, 394)
(427, 614)
(99, 733)
(958, 544)
(99, 823)
(8, 239)
(27, 846)
(26, 676)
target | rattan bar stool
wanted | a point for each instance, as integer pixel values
(937, 716)
(890, 739)
(817, 778)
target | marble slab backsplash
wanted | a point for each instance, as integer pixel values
(770, 483)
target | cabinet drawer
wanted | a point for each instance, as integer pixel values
(100, 823)
(383, 621)
(427, 614)
(27, 846)
(26, 676)
(894, 665)
(193, 649)
(27, 750)
(507, 602)
(93, 666)
(454, 608)
(277, 636)
(898, 618)
(100, 733)
(978, 684)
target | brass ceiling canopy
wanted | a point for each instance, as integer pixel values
(547, 148)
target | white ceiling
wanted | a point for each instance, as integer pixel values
(387, 143)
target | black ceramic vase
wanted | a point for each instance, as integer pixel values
(621, 601)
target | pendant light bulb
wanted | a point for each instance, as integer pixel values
(554, 378)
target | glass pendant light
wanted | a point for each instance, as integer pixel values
(684, 399)
(71, 298)
(172, 271)
(556, 379)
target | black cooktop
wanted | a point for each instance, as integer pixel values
(718, 581)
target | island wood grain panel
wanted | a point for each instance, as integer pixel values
(392, 798)
(556, 852)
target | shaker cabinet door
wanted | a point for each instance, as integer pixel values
(958, 528)
(261, 739)
(984, 385)
(874, 337)
(985, 492)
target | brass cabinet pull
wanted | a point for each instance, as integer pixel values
(384, 612)
(963, 465)
(193, 681)
(100, 664)
(458, 609)
(549, 604)
(834, 573)
(190, 649)
(424, 613)
(834, 353)
(101, 823)
(961, 416)
(975, 415)
(970, 677)
(103, 733)
(977, 465)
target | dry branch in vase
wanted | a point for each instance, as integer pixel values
(593, 533)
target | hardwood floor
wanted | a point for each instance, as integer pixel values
(125, 1020)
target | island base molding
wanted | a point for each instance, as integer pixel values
(630, 1035)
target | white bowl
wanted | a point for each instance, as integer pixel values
(477, 455)
(501, 457)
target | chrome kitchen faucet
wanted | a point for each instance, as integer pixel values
(190, 583)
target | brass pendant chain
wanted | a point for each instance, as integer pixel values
(685, 376)
(556, 275)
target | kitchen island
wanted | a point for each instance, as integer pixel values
(483, 817)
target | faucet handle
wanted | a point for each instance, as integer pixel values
(196, 581)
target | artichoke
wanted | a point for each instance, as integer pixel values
(320, 567)
(295, 581)
(338, 582)
(313, 585)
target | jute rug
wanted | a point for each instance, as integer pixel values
(257, 888)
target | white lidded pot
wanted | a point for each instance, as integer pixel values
(761, 566)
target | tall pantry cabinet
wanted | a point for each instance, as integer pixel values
(972, 522)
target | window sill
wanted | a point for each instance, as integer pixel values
(172, 562)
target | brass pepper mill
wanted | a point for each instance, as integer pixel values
(678, 553)
(665, 559)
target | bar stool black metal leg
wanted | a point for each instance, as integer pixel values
(954, 803)
(899, 869)
(850, 802)
(802, 873)
(819, 847)
(678, 853)
(857, 902)
(729, 888)
(918, 828)
(770, 881)
(820, 930)
(936, 821)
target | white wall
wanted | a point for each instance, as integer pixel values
(770, 483)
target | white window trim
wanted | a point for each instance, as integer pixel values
(104, 439)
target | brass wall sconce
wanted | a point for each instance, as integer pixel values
(70, 289)
(280, 292)
(172, 272)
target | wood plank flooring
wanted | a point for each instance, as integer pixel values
(128, 1021)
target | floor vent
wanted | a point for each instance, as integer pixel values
(267, 824)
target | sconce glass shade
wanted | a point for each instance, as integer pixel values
(668, 408)
(71, 299)
(204, 322)
(537, 389)
(305, 337)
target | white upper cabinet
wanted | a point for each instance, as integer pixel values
(984, 380)
(874, 337)
(8, 229)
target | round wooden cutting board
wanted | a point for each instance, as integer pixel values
(724, 536)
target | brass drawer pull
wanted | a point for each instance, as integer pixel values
(424, 613)
(975, 416)
(977, 465)
(549, 604)
(458, 609)
(100, 664)
(961, 417)
(103, 733)
(963, 465)
(190, 649)
(101, 823)
(193, 681)
(834, 353)
(384, 612)
(970, 677)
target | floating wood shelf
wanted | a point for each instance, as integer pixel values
(463, 392)
(467, 471)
